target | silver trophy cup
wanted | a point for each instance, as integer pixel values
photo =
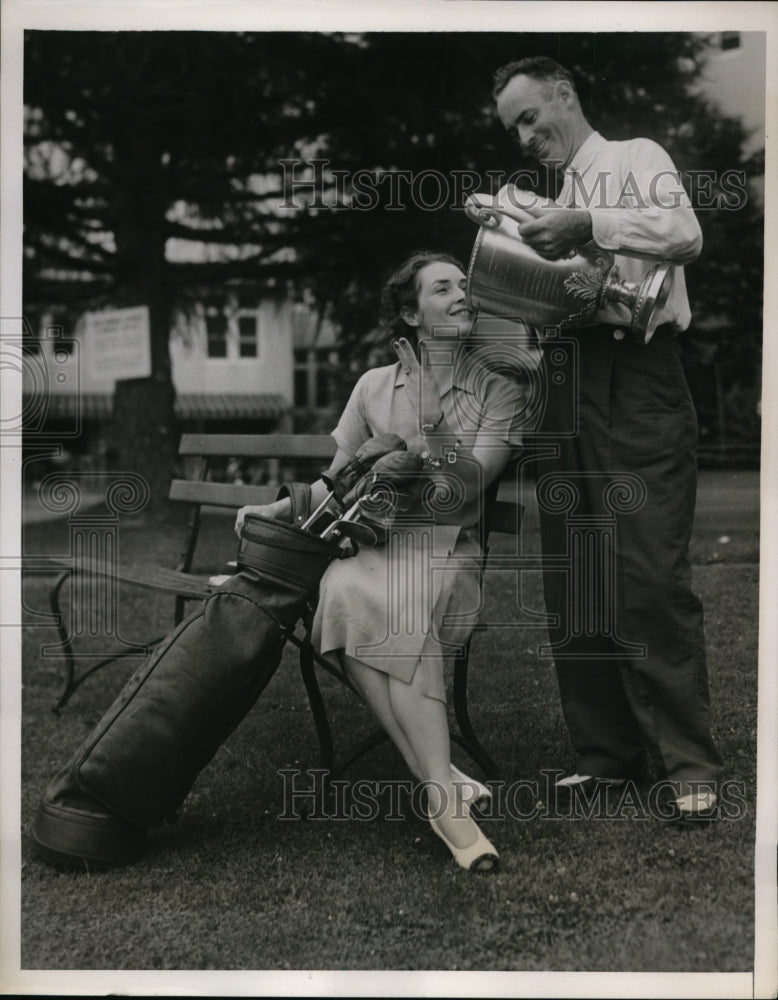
(506, 277)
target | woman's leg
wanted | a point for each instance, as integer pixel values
(418, 725)
(373, 686)
(424, 722)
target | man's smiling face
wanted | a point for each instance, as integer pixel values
(540, 114)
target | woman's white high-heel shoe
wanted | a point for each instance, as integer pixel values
(473, 792)
(480, 856)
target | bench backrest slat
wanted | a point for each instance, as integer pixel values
(504, 516)
(221, 494)
(258, 445)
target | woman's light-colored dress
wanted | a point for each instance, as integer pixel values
(411, 604)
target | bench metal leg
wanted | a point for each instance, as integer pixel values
(468, 740)
(308, 661)
(318, 710)
(73, 682)
(65, 643)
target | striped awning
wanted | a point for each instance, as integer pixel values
(70, 406)
(188, 406)
(230, 406)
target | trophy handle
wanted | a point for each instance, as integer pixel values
(644, 300)
(652, 295)
(492, 215)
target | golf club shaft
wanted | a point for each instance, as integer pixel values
(350, 515)
(318, 510)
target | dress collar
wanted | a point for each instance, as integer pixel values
(461, 376)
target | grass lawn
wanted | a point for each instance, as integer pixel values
(232, 885)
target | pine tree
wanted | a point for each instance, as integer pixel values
(135, 139)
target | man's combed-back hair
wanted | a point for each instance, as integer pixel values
(536, 67)
(401, 289)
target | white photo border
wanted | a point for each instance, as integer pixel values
(419, 15)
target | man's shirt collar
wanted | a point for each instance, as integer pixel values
(586, 153)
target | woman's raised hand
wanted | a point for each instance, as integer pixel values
(420, 381)
(263, 510)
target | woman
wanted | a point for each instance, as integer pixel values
(386, 614)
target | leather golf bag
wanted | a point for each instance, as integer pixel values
(139, 763)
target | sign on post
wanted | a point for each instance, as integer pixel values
(119, 343)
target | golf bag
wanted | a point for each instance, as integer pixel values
(139, 763)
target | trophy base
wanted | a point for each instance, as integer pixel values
(651, 297)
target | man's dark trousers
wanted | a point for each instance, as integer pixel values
(616, 505)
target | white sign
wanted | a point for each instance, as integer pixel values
(118, 343)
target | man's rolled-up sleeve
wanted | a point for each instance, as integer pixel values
(651, 215)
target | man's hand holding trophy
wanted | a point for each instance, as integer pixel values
(522, 267)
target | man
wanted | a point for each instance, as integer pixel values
(634, 682)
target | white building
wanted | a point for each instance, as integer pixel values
(236, 367)
(734, 77)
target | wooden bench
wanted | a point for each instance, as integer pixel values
(201, 453)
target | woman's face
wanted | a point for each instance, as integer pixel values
(441, 309)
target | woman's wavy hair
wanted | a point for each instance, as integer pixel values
(401, 289)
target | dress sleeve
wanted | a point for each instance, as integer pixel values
(352, 429)
(653, 216)
(504, 413)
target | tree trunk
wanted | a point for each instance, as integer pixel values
(145, 432)
(144, 436)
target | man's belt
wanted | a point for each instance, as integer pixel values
(664, 332)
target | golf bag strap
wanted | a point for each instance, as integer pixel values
(300, 497)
